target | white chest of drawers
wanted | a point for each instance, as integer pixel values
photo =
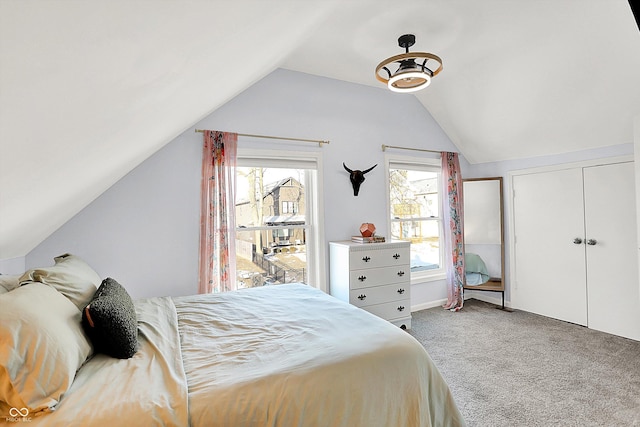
(373, 276)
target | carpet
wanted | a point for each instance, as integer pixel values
(521, 369)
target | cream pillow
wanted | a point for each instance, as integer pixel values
(43, 345)
(70, 276)
(9, 282)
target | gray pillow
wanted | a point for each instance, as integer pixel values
(110, 321)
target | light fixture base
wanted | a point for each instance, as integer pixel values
(406, 41)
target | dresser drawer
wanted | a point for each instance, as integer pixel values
(378, 294)
(371, 257)
(378, 276)
(391, 310)
(403, 323)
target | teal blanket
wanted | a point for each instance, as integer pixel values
(475, 269)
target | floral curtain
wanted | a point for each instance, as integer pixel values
(453, 230)
(217, 215)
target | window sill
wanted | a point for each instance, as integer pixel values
(430, 278)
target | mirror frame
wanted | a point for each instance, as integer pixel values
(493, 284)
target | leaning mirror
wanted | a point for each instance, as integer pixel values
(484, 234)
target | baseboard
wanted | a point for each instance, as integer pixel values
(481, 296)
(476, 295)
(430, 304)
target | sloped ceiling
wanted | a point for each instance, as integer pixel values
(520, 78)
(88, 90)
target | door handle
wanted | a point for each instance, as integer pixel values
(577, 240)
(592, 242)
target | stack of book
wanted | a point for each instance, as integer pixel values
(372, 239)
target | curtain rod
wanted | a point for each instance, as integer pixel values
(318, 141)
(384, 148)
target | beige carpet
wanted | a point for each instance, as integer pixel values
(521, 369)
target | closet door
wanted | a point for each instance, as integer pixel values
(612, 273)
(550, 268)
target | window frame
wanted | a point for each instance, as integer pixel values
(395, 161)
(314, 224)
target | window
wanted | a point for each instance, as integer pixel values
(276, 218)
(414, 212)
(289, 207)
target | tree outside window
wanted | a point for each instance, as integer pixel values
(415, 214)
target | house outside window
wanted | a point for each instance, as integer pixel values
(277, 234)
(414, 189)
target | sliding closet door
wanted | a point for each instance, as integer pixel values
(550, 267)
(612, 273)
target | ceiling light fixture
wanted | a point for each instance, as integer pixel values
(412, 73)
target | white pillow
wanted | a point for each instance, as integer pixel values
(70, 276)
(42, 347)
(9, 282)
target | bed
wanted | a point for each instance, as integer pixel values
(282, 355)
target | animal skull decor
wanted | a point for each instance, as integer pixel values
(357, 177)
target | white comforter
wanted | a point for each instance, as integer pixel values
(286, 356)
(290, 355)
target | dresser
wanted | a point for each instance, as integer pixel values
(373, 276)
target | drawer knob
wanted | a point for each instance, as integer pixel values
(396, 256)
(366, 259)
(401, 291)
(362, 278)
(400, 273)
(401, 308)
(362, 297)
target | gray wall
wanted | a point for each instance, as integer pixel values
(12, 265)
(636, 140)
(144, 230)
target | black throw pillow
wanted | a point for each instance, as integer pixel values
(110, 321)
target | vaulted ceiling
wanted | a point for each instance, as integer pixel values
(88, 90)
